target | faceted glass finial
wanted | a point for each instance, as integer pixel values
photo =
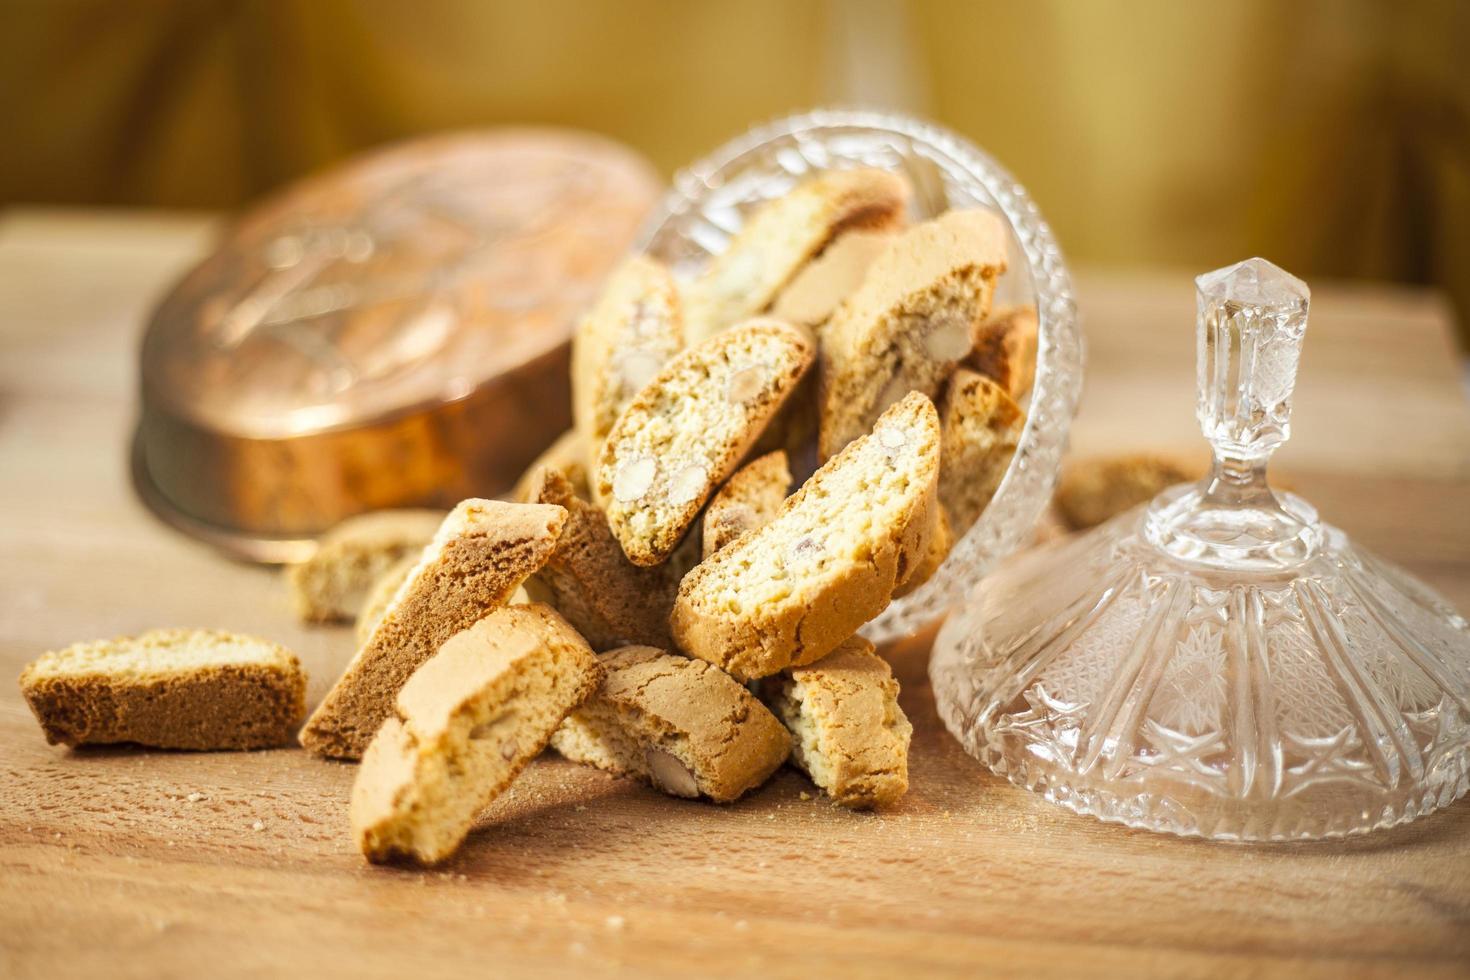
(1251, 321)
(1218, 662)
(1252, 318)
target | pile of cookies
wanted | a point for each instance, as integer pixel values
(657, 602)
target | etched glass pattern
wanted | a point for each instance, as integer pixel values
(710, 199)
(1218, 663)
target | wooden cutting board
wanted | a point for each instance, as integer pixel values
(120, 862)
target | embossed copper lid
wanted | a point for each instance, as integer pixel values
(392, 332)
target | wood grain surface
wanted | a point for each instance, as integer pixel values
(120, 862)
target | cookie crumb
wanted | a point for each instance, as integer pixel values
(805, 795)
(616, 923)
(196, 797)
(258, 825)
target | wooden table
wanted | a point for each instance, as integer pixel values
(130, 863)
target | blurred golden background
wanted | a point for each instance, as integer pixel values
(1332, 136)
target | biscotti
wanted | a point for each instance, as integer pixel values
(748, 500)
(850, 735)
(333, 583)
(1005, 349)
(464, 726)
(634, 328)
(387, 586)
(687, 431)
(568, 455)
(814, 295)
(681, 725)
(589, 580)
(935, 552)
(780, 237)
(982, 427)
(911, 321)
(1095, 489)
(478, 558)
(791, 591)
(169, 689)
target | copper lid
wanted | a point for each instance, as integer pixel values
(393, 332)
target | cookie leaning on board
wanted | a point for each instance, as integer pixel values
(387, 586)
(481, 554)
(463, 727)
(849, 734)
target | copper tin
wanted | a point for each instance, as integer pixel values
(393, 332)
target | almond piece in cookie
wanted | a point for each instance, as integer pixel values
(463, 727)
(748, 499)
(634, 328)
(782, 236)
(850, 735)
(791, 591)
(1005, 350)
(682, 725)
(169, 689)
(333, 583)
(685, 433)
(569, 456)
(481, 554)
(911, 321)
(590, 581)
(816, 292)
(982, 428)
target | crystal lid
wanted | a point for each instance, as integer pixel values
(1219, 662)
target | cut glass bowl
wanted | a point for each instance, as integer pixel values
(1218, 663)
(709, 201)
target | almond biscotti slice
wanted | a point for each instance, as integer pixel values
(590, 581)
(982, 428)
(1005, 350)
(748, 499)
(332, 584)
(940, 543)
(682, 725)
(814, 295)
(911, 321)
(688, 430)
(850, 735)
(780, 237)
(481, 553)
(169, 689)
(568, 455)
(464, 726)
(633, 329)
(791, 591)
